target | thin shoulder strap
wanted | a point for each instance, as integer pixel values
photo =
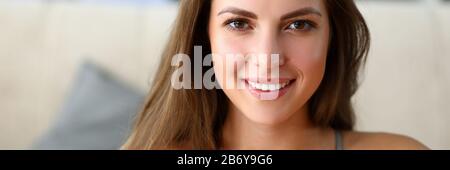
(338, 140)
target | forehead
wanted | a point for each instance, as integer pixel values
(268, 8)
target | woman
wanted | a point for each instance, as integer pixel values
(317, 46)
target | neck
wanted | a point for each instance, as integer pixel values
(298, 132)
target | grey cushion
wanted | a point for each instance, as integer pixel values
(97, 114)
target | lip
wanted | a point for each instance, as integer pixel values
(268, 81)
(269, 95)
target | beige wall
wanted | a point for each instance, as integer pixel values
(406, 83)
(405, 88)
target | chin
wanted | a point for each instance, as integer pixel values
(267, 115)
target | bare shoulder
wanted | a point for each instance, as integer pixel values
(380, 141)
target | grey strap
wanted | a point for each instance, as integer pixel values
(338, 140)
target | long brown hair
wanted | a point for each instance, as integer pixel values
(193, 118)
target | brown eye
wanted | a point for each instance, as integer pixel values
(238, 25)
(301, 25)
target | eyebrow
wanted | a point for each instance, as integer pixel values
(238, 11)
(302, 12)
(296, 13)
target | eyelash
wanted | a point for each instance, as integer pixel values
(236, 20)
(310, 25)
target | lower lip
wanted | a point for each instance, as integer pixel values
(276, 94)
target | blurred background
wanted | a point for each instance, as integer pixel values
(74, 72)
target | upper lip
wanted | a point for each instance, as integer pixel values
(269, 80)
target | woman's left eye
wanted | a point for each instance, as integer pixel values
(301, 25)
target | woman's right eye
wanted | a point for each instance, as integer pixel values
(237, 25)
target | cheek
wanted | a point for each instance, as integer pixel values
(307, 55)
(225, 44)
(228, 56)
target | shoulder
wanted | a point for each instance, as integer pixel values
(380, 141)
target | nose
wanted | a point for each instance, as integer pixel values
(266, 52)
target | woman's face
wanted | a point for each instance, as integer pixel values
(247, 33)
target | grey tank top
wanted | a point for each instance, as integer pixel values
(339, 145)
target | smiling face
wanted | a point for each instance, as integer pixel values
(297, 31)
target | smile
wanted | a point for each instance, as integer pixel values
(268, 87)
(267, 90)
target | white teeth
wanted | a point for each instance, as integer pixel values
(265, 87)
(268, 87)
